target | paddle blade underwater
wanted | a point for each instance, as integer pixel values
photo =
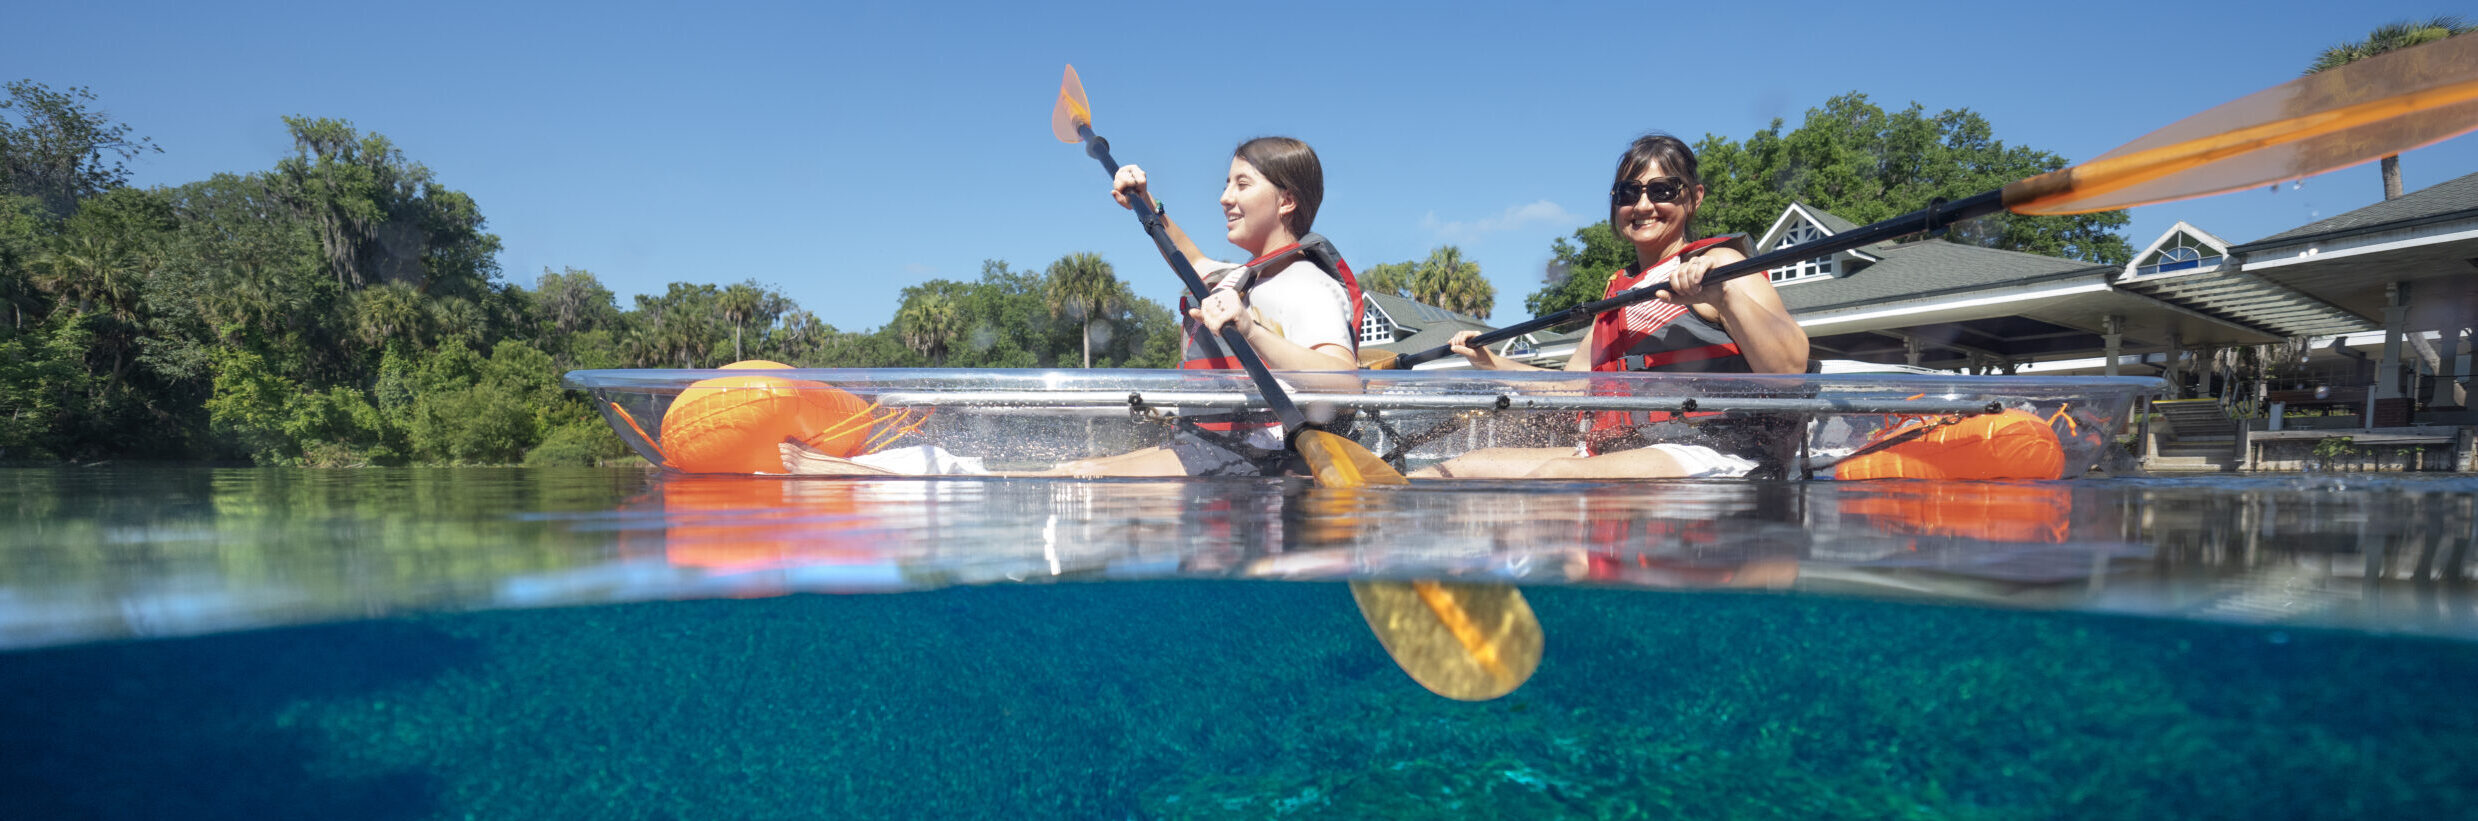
(1469, 642)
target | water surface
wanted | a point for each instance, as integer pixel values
(605, 644)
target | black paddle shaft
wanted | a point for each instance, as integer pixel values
(1935, 217)
(1292, 420)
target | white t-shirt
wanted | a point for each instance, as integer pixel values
(1307, 305)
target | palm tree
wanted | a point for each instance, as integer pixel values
(389, 311)
(1448, 281)
(928, 322)
(85, 270)
(739, 303)
(1084, 288)
(2390, 37)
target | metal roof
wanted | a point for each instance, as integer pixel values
(2241, 298)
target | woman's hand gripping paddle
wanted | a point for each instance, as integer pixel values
(1464, 641)
(2369, 109)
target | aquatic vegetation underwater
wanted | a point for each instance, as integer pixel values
(1238, 700)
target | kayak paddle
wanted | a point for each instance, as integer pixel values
(2373, 108)
(1464, 641)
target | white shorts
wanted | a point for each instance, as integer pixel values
(1700, 462)
(922, 460)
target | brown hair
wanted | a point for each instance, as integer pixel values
(1289, 165)
(1674, 157)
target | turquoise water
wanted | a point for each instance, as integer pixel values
(189, 643)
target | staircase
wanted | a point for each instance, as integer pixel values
(2198, 436)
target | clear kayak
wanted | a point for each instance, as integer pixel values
(948, 421)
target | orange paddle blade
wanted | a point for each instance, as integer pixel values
(1072, 109)
(1469, 642)
(2373, 108)
(1340, 462)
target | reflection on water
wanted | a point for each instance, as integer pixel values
(1190, 696)
(95, 554)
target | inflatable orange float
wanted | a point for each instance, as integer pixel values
(2010, 445)
(732, 424)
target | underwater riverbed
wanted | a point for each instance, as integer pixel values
(492, 643)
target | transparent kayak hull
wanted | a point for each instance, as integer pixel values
(1029, 420)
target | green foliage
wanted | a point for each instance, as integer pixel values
(43, 379)
(52, 148)
(1392, 278)
(379, 217)
(1449, 281)
(1579, 270)
(1865, 164)
(335, 310)
(1083, 290)
(250, 408)
(577, 444)
(467, 409)
(1445, 279)
(2336, 447)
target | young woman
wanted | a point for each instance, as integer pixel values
(1738, 326)
(1298, 310)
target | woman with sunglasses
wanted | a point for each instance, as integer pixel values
(1295, 301)
(1739, 326)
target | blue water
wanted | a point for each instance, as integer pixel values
(479, 643)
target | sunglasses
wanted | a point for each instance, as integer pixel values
(1660, 189)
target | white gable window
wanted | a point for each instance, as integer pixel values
(1374, 328)
(1816, 268)
(2179, 253)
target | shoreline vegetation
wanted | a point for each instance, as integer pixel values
(346, 308)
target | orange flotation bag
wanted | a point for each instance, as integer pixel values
(746, 524)
(732, 424)
(1972, 510)
(2009, 445)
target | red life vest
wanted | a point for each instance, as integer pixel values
(1659, 336)
(1204, 351)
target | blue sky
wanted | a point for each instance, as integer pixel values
(844, 151)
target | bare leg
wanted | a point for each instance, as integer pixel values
(1154, 461)
(1493, 463)
(1640, 463)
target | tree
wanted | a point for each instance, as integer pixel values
(380, 217)
(575, 302)
(391, 311)
(1579, 270)
(744, 302)
(1856, 160)
(1444, 279)
(89, 273)
(680, 329)
(928, 322)
(2389, 37)
(1448, 281)
(1392, 278)
(1082, 287)
(52, 148)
